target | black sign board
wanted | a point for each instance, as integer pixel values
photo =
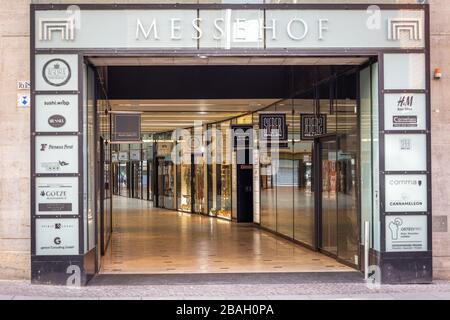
(126, 127)
(272, 126)
(313, 125)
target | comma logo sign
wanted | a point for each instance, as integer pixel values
(57, 72)
(397, 27)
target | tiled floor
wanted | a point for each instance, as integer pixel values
(149, 240)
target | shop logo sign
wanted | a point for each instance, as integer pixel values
(57, 72)
(396, 27)
(54, 166)
(273, 126)
(57, 121)
(405, 144)
(404, 121)
(411, 182)
(48, 26)
(394, 227)
(313, 125)
(405, 103)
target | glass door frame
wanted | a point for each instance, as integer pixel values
(318, 147)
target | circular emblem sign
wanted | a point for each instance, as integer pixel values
(56, 72)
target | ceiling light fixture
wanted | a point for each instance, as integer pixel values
(202, 56)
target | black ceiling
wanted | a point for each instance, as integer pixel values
(220, 82)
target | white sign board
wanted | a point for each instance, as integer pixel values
(403, 71)
(56, 72)
(135, 155)
(56, 154)
(405, 152)
(57, 196)
(406, 193)
(123, 156)
(57, 237)
(230, 28)
(405, 111)
(56, 113)
(406, 233)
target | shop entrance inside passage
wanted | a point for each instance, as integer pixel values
(240, 165)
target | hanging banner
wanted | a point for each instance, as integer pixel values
(123, 156)
(313, 125)
(126, 128)
(135, 155)
(273, 129)
(164, 149)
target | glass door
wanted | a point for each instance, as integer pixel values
(328, 238)
(338, 198)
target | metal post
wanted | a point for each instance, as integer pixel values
(366, 250)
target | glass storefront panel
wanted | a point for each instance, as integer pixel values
(303, 177)
(268, 190)
(184, 175)
(212, 169)
(329, 197)
(366, 147)
(144, 180)
(285, 176)
(199, 172)
(123, 179)
(347, 159)
(224, 170)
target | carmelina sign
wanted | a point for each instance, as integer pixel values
(231, 28)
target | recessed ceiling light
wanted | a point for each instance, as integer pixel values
(202, 56)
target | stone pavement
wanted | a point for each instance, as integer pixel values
(282, 286)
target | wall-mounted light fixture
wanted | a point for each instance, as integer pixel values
(437, 73)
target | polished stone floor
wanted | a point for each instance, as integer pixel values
(147, 240)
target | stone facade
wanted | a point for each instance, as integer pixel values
(15, 136)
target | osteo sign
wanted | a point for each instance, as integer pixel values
(226, 28)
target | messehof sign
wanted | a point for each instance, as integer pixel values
(227, 29)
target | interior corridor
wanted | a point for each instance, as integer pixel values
(148, 240)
